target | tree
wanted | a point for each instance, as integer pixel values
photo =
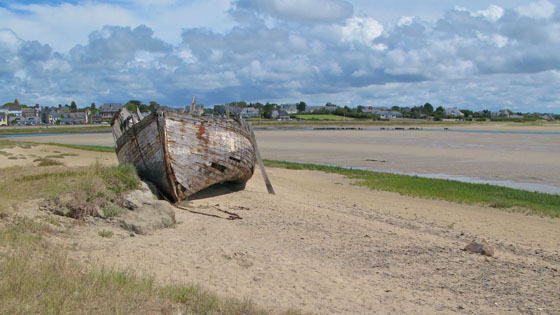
(144, 108)
(92, 107)
(468, 113)
(428, 108)
(132, 105)
(360, 109)
(153, 106)
(73, 107)
(267, 110)
(301, 107)
(395, 108)
(440, 110)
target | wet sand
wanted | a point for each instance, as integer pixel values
(521, 158)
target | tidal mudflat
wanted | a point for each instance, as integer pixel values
(526, 158)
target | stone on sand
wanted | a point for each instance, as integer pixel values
(480, 247)
(148, 213)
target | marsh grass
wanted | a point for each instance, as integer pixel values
(40, 278)
(49, 182)
(111, 211)
(60, 156)
(327, 117)
(105, 234)
(455, 191)
(96, 148)
(88, 129)
(47, 162)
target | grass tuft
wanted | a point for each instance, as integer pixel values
(112, 211)
(455, 191)
(105, 234)
(48, 162)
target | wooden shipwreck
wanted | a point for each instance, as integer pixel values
(182, 153)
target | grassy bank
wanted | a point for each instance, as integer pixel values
(455, 191)
(324, 117)
(53, 129)
(96, 148)
(40, 278)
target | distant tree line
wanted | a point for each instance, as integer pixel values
(425, 111)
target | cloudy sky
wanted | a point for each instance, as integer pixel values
(472, 54)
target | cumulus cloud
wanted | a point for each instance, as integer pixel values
(362, 29)
(542, 9)
(492, 58)
(322, 11)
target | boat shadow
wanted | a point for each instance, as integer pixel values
(217, 190)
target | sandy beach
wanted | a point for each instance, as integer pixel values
(326, 246)
(528, 158)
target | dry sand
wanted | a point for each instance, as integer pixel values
(325, 246)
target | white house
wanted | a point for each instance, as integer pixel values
(453, 112)
(289, 108)
(249, 112)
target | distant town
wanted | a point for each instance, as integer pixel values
(16, 114)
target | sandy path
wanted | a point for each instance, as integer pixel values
(325, 246)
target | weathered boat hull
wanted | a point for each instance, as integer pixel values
(183, 154)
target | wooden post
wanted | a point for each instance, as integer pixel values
(192, 105)
(139, 114)
(261, 165)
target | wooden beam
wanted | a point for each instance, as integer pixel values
(192, 105)
(261, 165)
(139, 114)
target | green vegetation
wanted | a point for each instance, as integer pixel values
(40, 278)
(323, 117)
(111, 211)
(86, 184)
(27, 145)
(105, 234)
(97, 148)
(484, 194)
(51, 129)
(48, 162)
